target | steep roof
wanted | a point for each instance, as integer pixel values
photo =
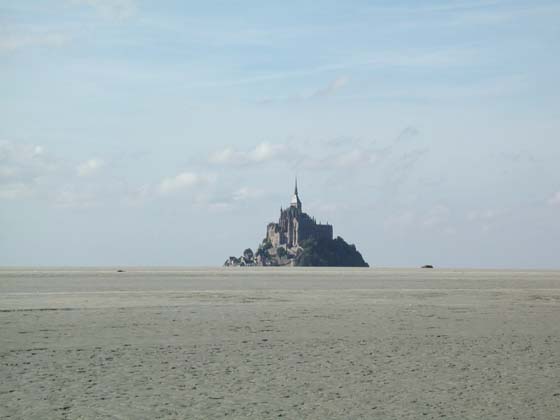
(296, 202)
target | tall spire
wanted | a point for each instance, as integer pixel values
(296, 202)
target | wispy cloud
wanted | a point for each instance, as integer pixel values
(436, 220)
(333, 86)
(262, 152)
(466, 13)
(324, 91)
(407, 133)
(14, 41)
(182, 181)
(89, 167)
(245, 193)
(436, 217)
(555, 199)
(483, 215)
(22, 166)
(70, 197)
(15, 190)
(495, 13)
(355, 157)
(355, 154)
(401, 221)
(111, 9)
(404, 58)
(485, 219)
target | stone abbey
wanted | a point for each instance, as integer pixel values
(295, 226)
(298, 240)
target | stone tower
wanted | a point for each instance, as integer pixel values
(295, 226)
(296, 202)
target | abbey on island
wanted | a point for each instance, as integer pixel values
(298, 240)
(295, 226)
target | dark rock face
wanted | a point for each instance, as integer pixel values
(323, 252)
(248, 254)
(314, 252)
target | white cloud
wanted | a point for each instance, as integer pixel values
(89, 167)
(355, 157)
(111, 9)
(263, 152)
(328, 90)
(401, 221)
(492, 14)
(15, 190)
(483, 215)
(407, 134)
(245, 193)
(439, 58)
(326, 209)
(226, 155)
(15, 157)
(137, 196)
(22, 167)
(450, 231)
(486, 219)
(555, 199)
(12, 42)
(333, 86)
(266, 151)
(436, 217)
(182, 181)
(219, 207)
(69, 197)
(352, 153)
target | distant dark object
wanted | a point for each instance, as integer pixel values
(120, 271)
(427, 266)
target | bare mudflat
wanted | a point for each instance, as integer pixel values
(269, 343)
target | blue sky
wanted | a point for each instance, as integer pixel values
(169, 133)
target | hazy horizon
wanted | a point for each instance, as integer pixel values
(220, 267)
(146, 134)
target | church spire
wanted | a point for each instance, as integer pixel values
(296, 202)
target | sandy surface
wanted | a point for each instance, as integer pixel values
(289, 343)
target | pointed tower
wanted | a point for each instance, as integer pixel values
(296, 202)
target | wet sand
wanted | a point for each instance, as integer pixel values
(279, 343)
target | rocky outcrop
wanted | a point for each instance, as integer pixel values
(329, 253)
(316, 252)
(298, 240)
(246, 260)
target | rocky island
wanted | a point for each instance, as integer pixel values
(298, 240)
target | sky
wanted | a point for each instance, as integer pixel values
(170, 133)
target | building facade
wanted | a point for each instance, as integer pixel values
(295, 226)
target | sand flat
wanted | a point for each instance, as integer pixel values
(269, 343)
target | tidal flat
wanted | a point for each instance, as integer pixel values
(290, 343)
